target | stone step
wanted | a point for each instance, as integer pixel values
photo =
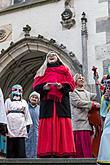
(47, 161)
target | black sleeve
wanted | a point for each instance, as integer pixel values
(28, 128)
(40, 89)
(65, 89)
(3, 129)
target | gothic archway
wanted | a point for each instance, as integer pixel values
(19, 63)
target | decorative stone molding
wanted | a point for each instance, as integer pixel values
(68, 17)
(20, 61)
(5, 33)
(40, 44)
(84, 25)
(68, 23)
(2, 34)
(84, 37)
(27, 30)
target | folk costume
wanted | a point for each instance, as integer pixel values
(104, 152)
(3, 125)
(55, 128)
(18, 117)
(32, 139)
(3, 119)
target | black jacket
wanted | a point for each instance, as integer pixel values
(46, 106)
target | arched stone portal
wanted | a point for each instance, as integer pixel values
(19, 63)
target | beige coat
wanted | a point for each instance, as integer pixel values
(81, 103)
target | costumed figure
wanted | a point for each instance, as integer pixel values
(3, 125)
(54, 81)
(82, 101)
(32, 139)
(106, 93)
(104, 152)
(18, 117)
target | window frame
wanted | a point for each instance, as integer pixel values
(25, 5)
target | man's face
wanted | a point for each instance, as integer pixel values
(34, 100)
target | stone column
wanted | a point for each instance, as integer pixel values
(84, 37)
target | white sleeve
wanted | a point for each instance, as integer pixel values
(3, 118)
(27, 115)
(7, 105)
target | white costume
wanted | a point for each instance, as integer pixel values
(18, 117)
(3, 118)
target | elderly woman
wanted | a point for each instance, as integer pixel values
(81, 104)
(54, 82)
(32, 139)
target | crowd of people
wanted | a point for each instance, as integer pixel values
(54, 122)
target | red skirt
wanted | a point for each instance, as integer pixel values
(83, 143)
(55, 137)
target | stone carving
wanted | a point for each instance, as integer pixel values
(68, 17)
(5, 32)
(27, 30)
(2, 34)
(84, 25)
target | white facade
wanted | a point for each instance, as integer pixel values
(45, 20)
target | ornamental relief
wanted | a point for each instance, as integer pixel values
(5, 33)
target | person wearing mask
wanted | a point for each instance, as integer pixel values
(3, 118)
(104, 152)
(18, 118)
(3, 125)
(54, 81)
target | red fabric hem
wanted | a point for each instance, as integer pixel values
(56, 155)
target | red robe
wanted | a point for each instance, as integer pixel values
(55, 133)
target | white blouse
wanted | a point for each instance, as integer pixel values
(17, 121)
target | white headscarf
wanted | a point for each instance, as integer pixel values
(42, 69)
(34, 93)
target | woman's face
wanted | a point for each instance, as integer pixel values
(34, 100)
(52, 58)
(80, 81)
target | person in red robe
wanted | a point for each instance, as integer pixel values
(54, 81)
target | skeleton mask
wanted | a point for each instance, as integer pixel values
(16, 92)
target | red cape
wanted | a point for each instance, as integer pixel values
(59, 74)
